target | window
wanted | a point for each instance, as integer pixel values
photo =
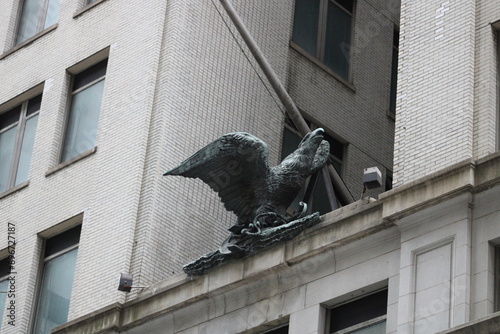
(497, 278)
(83, 115)
(366, 315)
(17, 136)
(36, 16)
(388, 180)
(324, 198)
(394, 72)
(323, 29)
(281, 330)
(4, 286)
(56, 280)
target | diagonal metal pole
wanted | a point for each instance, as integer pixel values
(283, 95)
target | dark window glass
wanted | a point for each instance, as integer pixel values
(388, 181)
(394, 72)
(338, 40)
(281, 330)
(358, 311)
(346, 4)
(62, 241)
(4, 267)
(321, 202)
(336, 150)
(10, 117)
(34, 105)
(497, 278)
(305, 25)
(89, 75)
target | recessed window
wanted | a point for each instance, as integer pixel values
(36, 15)
(17, 136)
(323, 28)
(4, 286)
(323, 197)
(366, 315)
(394, 71)
(281, 330)
(497, 278)
(83, 115)
(56, 280)
(388, 180)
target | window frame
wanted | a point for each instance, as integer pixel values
(18, 141)
(362, 324)
(271, 331)
(71, 94)
(5, 278)
(496, 279)
(394, 76)
(43, 262)
(42, 16)
(319, 57)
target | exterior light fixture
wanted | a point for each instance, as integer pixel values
(372, 178)
(125, 283)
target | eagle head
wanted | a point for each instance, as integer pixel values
(311, 155)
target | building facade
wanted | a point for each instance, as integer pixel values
(98, 98)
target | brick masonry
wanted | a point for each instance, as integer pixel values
(447, 90)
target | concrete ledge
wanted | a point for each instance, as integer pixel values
(489, 324)
(352, 222)
(100, 321)
(429, 190)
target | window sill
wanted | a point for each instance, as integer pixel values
(28, 41)
(87, 8)
(322, 66)
(15, 189)
(71, 161)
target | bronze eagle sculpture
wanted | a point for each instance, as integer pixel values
(236, 167)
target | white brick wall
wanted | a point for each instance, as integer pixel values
(447, 87)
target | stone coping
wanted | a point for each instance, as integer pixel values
(488, 324)
(347, 224)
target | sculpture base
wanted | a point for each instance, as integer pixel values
(238, 246)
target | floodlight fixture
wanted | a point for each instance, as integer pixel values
(125, 283)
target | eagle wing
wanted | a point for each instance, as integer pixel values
(235, 166)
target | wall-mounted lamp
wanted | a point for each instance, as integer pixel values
(372, 178)
(125, 283)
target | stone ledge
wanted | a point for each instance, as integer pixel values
(352, 222)
(429, 190)
(101, 321)
(489, 324)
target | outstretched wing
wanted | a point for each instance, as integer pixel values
(235, 166)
